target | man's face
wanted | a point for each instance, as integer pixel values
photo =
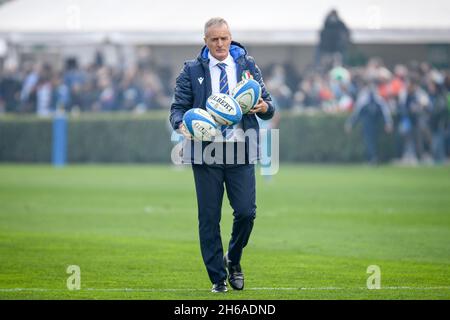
(218, 41)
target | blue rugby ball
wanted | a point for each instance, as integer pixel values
(224, 109)
(247, 93)
(200, 124)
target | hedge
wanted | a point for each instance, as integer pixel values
(127, 138)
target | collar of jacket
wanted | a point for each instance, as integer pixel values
(237, 51)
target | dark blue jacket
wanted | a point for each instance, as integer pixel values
(192, 93)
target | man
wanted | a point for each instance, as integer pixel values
(413, 107)
(369, 108)
(334, 39)
(220, 65)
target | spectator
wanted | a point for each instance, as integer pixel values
(107, 99)
(398, 81)
(130, 91)
(276, 84)
(28, 92)
(334, 39)
(307, 94)
(10, 86)
(340, 82)
(153, 93)
(44, 92)
(413, 102)
(74, 79)
(438, 117)
(370, 108)
(61, 93)
(326, 94)
(447, 134)
(87, 92)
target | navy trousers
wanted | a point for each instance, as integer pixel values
(371, 133)
(239, 181)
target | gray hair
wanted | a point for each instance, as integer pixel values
(217, 21)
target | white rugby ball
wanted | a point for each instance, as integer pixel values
(224, 109)
(200, 124)
(247, 93)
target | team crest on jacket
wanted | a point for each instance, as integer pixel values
(246, 75)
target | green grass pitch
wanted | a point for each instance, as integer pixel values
(132, 230)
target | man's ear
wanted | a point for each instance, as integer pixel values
(204, 39)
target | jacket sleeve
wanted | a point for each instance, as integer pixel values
(183, 97)
(385, 110)
(265, 95)
(361, 102)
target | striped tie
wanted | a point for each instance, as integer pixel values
(223, 78)
(224, 89)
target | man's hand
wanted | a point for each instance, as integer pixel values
(260, 107)
(182, 129)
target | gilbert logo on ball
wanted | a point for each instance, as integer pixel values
(247, 93)
(200, 124)
(224, 109)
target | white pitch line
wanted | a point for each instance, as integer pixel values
(357, 288)
(207, 290)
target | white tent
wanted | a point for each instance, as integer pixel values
(252, 21)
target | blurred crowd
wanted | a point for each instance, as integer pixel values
(412, 100)
(34, 87)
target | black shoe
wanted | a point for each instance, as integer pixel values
(219, 287)
(235, 275)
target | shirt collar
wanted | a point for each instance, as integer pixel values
(213, 61)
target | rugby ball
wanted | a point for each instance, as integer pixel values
(247, 93)
(200, 124)
(224, 109)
